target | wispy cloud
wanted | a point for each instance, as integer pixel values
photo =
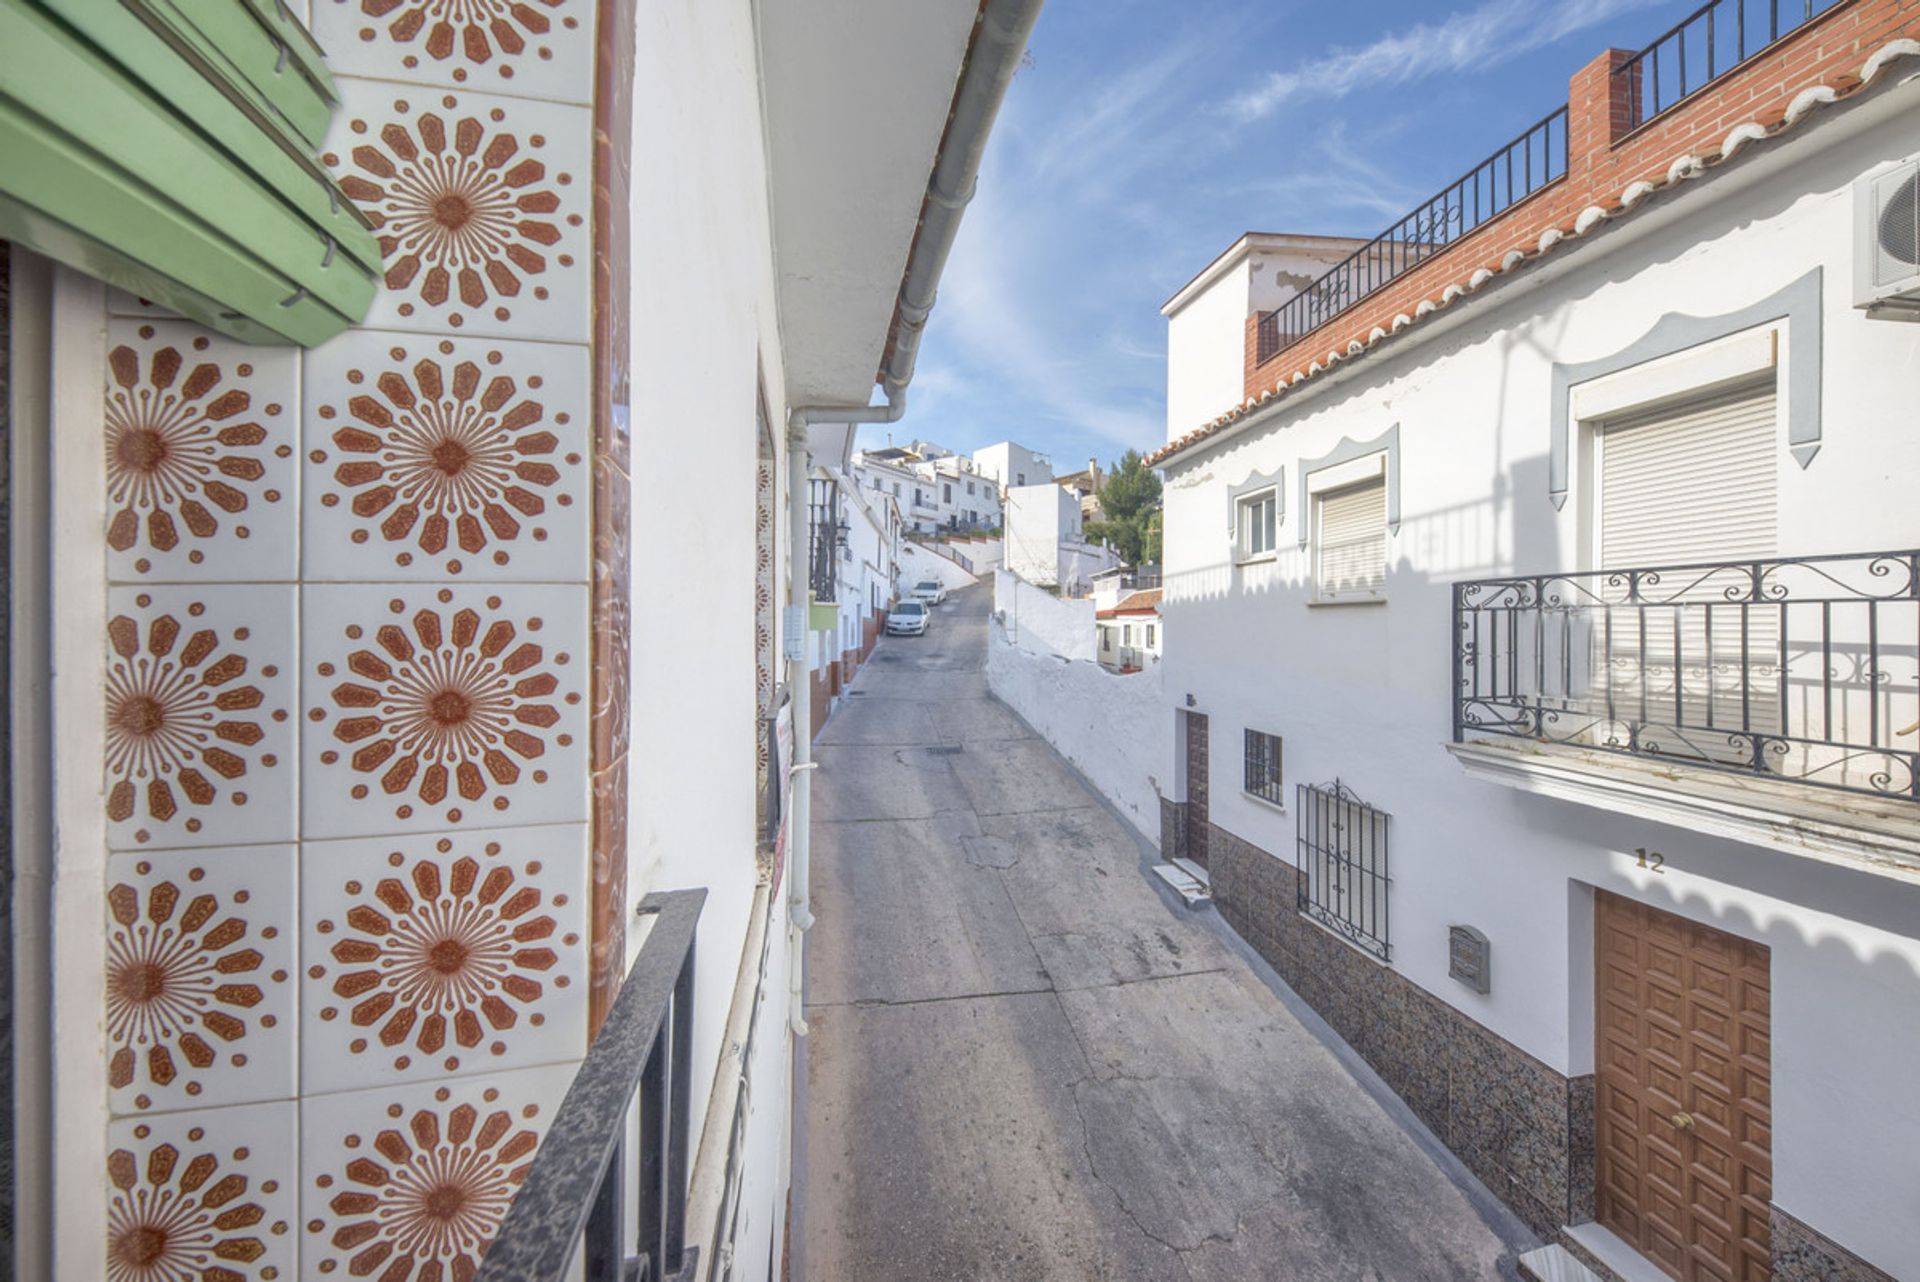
(1471, 40)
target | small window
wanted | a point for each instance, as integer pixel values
(876, 482)
(1020, 478)
(1263, 767)
(896, 489)
(969, 487)
(1106, 638)
(1149, 636)
(1350, 533)
(1126, 635)
(1257, 522)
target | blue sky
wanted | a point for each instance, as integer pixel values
(1144, 136)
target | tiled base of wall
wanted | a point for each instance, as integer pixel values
(1523, 1129)
(1173, 829)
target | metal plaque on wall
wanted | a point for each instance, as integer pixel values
(1469, 958)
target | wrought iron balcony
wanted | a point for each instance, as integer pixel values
(576, 1197)
(1804, 669)
(827, 532)
(1530, 162)
(1706, 45)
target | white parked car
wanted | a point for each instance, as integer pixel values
(929, 591)
(909, 619)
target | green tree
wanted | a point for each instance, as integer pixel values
(1130, 510)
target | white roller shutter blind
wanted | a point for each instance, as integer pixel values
(1353, 539)
(1690, 484)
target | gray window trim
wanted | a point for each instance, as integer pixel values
(1345, 452)
(1798, 304)
(1275, 480)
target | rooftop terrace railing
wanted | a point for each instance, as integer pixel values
(1804, 669)
(1705, 45)
(1536, 159)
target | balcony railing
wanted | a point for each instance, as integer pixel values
(1705, 45)
(1530, 162)
(576, 1195)
(825, 533)
(1803, 669)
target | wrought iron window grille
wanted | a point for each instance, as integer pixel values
(1804, 669)
(575, 1197)
(1534, 160)
(1262, 767)
(1707, 44)
(827, 532)
(1343, 859)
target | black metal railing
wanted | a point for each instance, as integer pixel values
(1261, 767)
(773, 778)
(1705, 45)
(576, 1196)
(824, 536)
(1536, 159)
(1344, 874)
(1805, 669)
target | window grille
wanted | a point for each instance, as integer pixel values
(1352, 545)
(1342, 845)
(1262, 765)
(1259, 515)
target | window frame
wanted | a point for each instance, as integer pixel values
(1243, 506)
(1316, 500)
(1267, 753)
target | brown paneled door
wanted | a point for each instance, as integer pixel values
(1197, 787)
(1683, 1114)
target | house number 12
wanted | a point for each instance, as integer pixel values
(1651, 860)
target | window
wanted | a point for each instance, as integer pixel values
(876, 482)
(1106, 638)
(1350, 537)
(969, 487)
(1263, 767)
(896, 489)
(1126, 635)
(1149, 636)
(1342, 853)
(1020, 478)
(946, 492)
(1257, 521)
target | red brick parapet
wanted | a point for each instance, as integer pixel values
(1610, 168)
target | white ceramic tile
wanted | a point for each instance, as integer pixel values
(538, 48)
(202, 946)
(437, 458)
(422, 1173)
(207, 1194)
(201, 436)
(482, 205)
(200, 704)
(442, 707)
(434, 955)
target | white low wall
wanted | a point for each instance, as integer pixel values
(916, 563)
(1041, 623)
(1114, 728)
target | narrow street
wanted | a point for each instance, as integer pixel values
(1029, 1061)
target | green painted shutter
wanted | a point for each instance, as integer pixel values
(166, 146)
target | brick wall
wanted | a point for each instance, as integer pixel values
(1603, 159)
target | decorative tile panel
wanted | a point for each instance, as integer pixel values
(429, 956)
(199, 441)
(203, 1197)
(441, 457)
(539, 48)
(435, 707)
(200, 697)
(410, 1183)
(201, 949)
(480, 203)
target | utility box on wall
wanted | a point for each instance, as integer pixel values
(1469, 958)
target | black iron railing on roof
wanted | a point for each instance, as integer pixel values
(1705, 45)
(1804, 669)
(1536, 159)
(576, 1197)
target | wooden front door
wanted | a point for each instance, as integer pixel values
(1683, 1111)
(1197, 787)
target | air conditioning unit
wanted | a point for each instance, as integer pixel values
(1886, 249)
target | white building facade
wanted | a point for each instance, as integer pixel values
(1045, 542)
(936, 492)
(1013, 465)
(1611, 869)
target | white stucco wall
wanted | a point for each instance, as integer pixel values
(1039, 622)
(1363, 692)
(916, 564)
(1039, 518)
(1008, 461)
(1113, 728)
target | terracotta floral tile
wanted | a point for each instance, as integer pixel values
(201, 950)
(428, 956)
(200, 701)
(209, 1196)
(430, 458)
(435, 707)
(200, 440)
(481, 205)
(538, 48)
(410, 1183)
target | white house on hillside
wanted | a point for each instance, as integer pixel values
(1544, 681)
(936, 490)
(1045, 543)
(1013, 465)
